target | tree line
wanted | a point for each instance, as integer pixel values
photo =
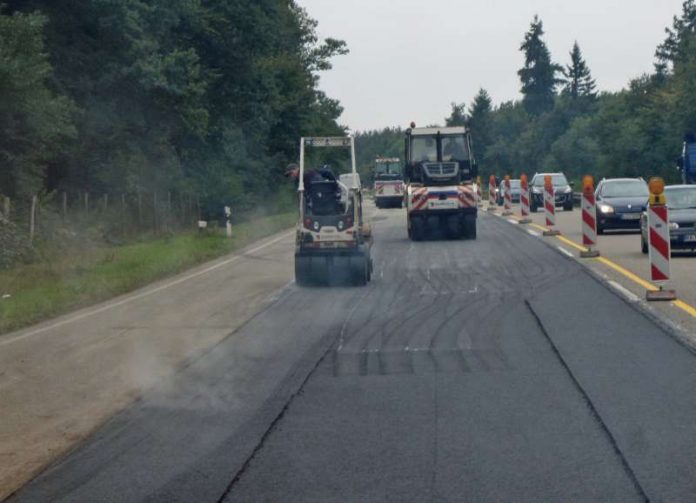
(563, 123)
(207, 97)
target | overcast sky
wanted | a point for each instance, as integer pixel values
(410, 59)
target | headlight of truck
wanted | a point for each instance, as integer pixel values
(606, 209)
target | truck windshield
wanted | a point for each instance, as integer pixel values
(454, 148)
(423, 148)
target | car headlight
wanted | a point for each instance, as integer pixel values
(606, 209)
(568, 190)
(316, 225)
(673, 226)
(537, 190)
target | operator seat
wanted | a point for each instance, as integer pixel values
(324, 198)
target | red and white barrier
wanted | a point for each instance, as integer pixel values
(479, 196)
(550, 207)
(659, 246)
(507, 197)
(589, 219)
(524, 200)
(491, 193)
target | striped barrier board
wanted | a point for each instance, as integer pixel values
(589, 222)
(524, 200)
(491, 193)
(659, 252)
(550, 209)
(507, 197)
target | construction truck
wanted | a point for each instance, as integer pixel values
(389, 182)
(687, 162)
(333, 242)
(439, 173)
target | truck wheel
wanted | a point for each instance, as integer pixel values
(417, 229)
(303, 276)
(359, 270)
(470, 227)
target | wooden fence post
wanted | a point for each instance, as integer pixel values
(140, 210)
(32, 219)
(154, 210)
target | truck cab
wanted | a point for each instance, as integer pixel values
(440, 170)
(687, 162)
(389, 182)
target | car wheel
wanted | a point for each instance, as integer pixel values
(568, 207)
(600, 229)
(643, 245)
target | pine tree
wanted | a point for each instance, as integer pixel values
(480, 121)
(538, 76)
(578, 78)
(457, 115)
(679, 41)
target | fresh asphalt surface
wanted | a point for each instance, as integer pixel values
(494, 370)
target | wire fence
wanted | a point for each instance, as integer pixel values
(114, 215)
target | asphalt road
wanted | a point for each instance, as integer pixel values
(494, 370)
(623, 248)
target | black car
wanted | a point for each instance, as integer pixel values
(561, 187)
(620, 203)
(681, 201)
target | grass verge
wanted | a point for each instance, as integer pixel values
(36, 292)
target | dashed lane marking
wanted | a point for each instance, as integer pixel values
(533, 233)
(624, 291)
(565, 252)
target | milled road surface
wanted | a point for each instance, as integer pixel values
(495, 370)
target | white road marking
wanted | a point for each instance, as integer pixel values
(566, 252)
(141, 295)
(513, 221)
(533, 233)
(624, 291)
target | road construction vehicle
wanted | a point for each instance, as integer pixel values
(389, 182)
(333, 242)
(687, 162)
(439, 173)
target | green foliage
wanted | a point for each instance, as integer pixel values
(35, 123)
(46, 289)
(206, 97)
(634, 132)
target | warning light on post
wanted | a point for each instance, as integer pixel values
(588, 184)
(656, 186)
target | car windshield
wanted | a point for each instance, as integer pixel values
(558, 180)
(633, 188)
(681, 198)
(423, 148)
